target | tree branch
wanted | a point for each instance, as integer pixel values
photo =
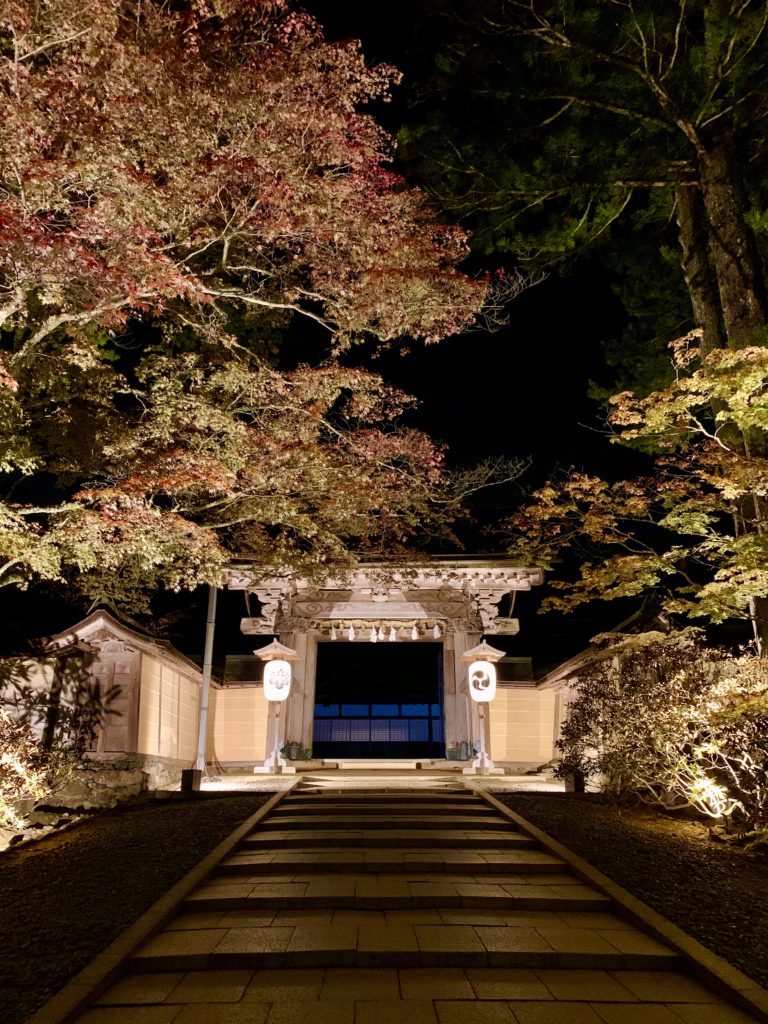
(7, 311)
(52, 43)
(252, 300)
(676, 47)
(542, 28)
(613, 108)
(53, 323)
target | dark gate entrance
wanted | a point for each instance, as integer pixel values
(379, 700)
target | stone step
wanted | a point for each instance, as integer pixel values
(386, 892)
(380, 808)
(414, 996)
(383, 793)
(418, 796)
(358, 821)
(490, 861)
(465, 839)
(349, 890)
(379, 764)
(318, 940)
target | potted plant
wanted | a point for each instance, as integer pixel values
(463, 751)
(292, 750)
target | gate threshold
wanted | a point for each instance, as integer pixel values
(385, 765)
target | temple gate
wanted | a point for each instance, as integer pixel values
(445, 602)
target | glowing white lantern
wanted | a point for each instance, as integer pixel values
(277, 687)
(482, 681)
(277, 679)
(277, 670)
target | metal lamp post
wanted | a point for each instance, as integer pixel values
(192, 777)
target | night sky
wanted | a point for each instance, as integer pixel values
(522, 390)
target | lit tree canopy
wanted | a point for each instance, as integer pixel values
(154, 158)
(694, 531)
(209, 454)
(177, 184)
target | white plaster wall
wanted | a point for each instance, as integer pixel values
(522, 724)
(168, 711)
(24, 690)
(238, 724)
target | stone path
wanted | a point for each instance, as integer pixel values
(401, 906)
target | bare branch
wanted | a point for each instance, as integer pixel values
(745, 53)
(7, 311)
(555, 36)
(676, 47)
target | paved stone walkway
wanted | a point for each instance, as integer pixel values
(400, 905)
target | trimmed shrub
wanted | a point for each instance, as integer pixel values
(674, 722)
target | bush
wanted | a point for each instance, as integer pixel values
(677, 723)
(43, 732)
(23, 769)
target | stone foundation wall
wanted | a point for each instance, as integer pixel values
(247, 767)
(105, 780)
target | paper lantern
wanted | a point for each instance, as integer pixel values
(277, 679)
(482, 681)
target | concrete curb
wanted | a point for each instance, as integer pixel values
(105, 968)
(704, 965)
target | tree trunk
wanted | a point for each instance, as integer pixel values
(699, 275)
(744, 304)
(735, 255)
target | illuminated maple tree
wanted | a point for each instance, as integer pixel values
(199, 156)
(179, 184)
(694, 530)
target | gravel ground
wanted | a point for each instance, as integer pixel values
(713, 891)
(65, 898)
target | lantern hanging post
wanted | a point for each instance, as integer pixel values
(481, 677)
(278, 676)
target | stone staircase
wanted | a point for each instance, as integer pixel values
(410, 905)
